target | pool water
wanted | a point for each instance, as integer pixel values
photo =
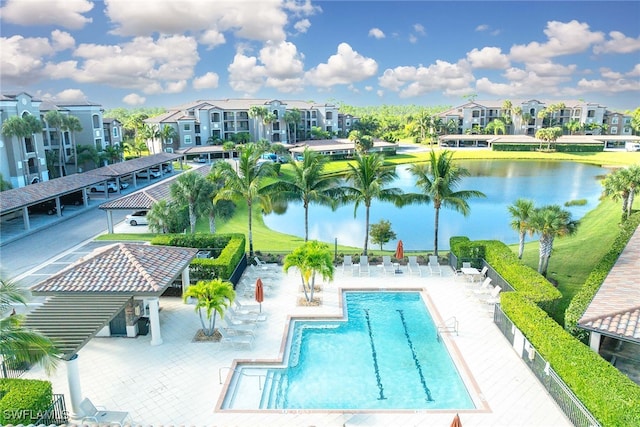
(385, 355)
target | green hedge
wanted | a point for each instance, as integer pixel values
(466, 250)
(22, 401)
(583, 298)
(608, 394)
(560, 148)
(231, 247)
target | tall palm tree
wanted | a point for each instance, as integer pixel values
(367, 178)
(168, 134)
(211, 194)
(548, 135)
(113, 153)
(228, 146)
(311, 259)
(307, 184)
(520, 212)
(622, 185)
(187, 189)
(258, 112)
(246, 184)
(55, 120)
(213, 297)
(150, 133)
(292, 117)
(496, 126)
(438, 180)
(160, 216)
(550, 222)
(573, 126)
(72, 125)
(362, 143)
(21, 128)
(17, 343)
(507, 111)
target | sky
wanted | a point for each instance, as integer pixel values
(163, 53)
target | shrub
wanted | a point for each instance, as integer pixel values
(579, 202)
(21, 400)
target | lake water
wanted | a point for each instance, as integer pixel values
(502, 181)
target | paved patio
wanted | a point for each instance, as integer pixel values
(181, 382)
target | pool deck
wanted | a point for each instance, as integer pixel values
(179, 382)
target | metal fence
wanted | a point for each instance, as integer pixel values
(564, 397)
(12, 369)
(56, 413)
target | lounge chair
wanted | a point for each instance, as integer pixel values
(434, 265)
(413, 265)
(242, 329)
(247, 308)
(245, 317)
(347, 264)
(484, 288)
(494, 296)
(364, 265)
(100, 415)
(260, 264)
(236, 340)
(387, 266)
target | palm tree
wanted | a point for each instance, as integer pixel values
(18, 344)
(368, 177)
(292, 117)
(507, 108)
(550, 222)
(257, 112)
(4, 185)
(211, 194)
(573, 126)
(160, 216)
(549, 135)
(213, 297)
(267, 120)
(520, 212)
(438, 179)
(168, 134)
(228, 146)
(311, 259)
(72, 125)
(113, 153)
(150, 133)
(362, 143)
(21, 128)
(307, 184)
(187, 189)
(622, 185)
(55, 120)
(496, 126)
(246, 183)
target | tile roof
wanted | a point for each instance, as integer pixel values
(145, 198)
(615, 310)
(121, 268)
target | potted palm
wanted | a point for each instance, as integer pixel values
(212, 297)
(311, 259)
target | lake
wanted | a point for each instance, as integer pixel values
(502, 181)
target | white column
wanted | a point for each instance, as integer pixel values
(75, 391)
(154, 319)
(594, 341)
(110, 221)
(185, 279)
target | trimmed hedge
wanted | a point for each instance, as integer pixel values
(560, 148)
(583, 298)
(21, 401)
(608, 394)
(466, 250)
(231, 247)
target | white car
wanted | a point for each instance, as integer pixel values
(148, 174)
(137, 218)
(100, 187)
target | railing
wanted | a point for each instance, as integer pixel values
(12, 369)
(55, 414)
(564, 397)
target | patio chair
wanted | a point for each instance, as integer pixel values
(260, 264)
(236, 340)
(413, 265)
(364, 265)
(100, 415)
(434, 265)
(246, 308)
(459, 272)
(347, 264)
(245, 317)
(387, 266)
(242, 329)
(484, 288)
(494, 296)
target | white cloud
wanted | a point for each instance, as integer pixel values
(148, 17)
(607, 73)
(207, 81)
(550, 69)
(546, 78)
(70, 95)
(62, 13)
(635, 72)
(245, 75)
(419, 29)
(302, 26)
(345, 67)
(413, 38)
(609, 86)
(301, 8)
(23, 59)
(376, 33)
(482, 27)
(212, 38)
(61, 40)
(488, 57)
(618, 43)
(450, 79)
(368, 88)
(133, 99)
(563, 39)
(283, 66)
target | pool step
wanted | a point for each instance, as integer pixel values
(271, 387)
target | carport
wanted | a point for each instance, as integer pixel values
(86, 296)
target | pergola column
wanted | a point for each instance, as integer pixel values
(185, 279)
(154, 320)
(75, 391)
(594, 341)
(110, 221)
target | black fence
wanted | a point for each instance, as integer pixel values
(13, 369)
(56, 414)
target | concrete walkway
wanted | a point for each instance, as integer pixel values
(181, 382)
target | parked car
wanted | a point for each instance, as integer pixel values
(48, 207)
(123, 184)
(165, 168)
(632, 146)
(73, 198)
(202, 158)
(148, 174)
(101, 187)
(137, 218)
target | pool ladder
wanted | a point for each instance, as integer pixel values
(449, 325)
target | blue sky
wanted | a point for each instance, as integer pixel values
(162, 53)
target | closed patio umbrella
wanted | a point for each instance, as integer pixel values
(399, 250)
(259, 292)
(456, 422)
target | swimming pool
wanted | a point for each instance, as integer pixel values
(384, 355)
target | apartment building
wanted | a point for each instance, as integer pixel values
(207, 122)
(113, 131)
(27, 160)
(525, 117)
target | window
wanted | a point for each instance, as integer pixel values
(215, 117)
(197, 128)
(591, 113)
(276, 125)
(187, 126)
(614, 130)
(187, 139)
(96, 121)
(275, 113)
(115, 132)
(329, 115)
(614, 120)
(475, 113)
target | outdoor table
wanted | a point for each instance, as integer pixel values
(470, 272)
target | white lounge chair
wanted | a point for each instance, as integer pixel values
(247, 308)
(347, 264)
(413, 265)
(484, 288)
(236, 340)
(244, 317)
(387, 266)
(494, 296)
(242, 329)
(364, 265)
(100, 415)
(260, 264)
(434, 265)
